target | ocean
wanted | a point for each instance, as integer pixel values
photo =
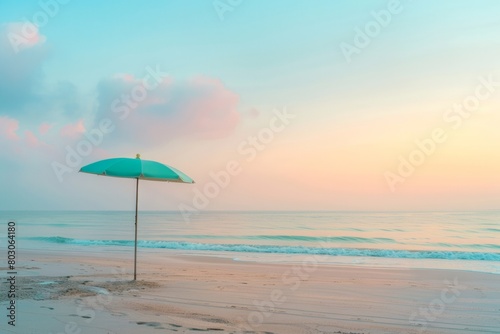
(444, 240)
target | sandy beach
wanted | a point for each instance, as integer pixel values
(190, 293)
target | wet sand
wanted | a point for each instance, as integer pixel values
(178, 293)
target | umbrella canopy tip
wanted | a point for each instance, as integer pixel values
(138, 156)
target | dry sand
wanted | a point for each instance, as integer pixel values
(193, 294)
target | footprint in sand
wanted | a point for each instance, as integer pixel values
(118, 314)
(83, 316)
(155, 325)
(210, 329)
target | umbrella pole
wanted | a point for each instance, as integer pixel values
(135, 246)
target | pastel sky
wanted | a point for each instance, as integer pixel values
(323, 105)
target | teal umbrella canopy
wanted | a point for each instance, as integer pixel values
(140, 170)
(136, 169)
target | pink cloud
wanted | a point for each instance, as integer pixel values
(125, 77)
(202, 107)
(31, 139)
(27, 143)
(73, 131)
(22, 82)
(44, 128)
(8, 128)
(205, 109)
(252, 113)
(213, 114)
(23, 35)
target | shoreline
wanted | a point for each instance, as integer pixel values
(473, 265)
(190, 293)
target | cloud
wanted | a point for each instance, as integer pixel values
(211, 112)
(73, 131)
(22, 35)
(26, 162)
(24, 91)
(201, 107)
(44, 128)
(20, 77)
(8, 128)
(64, 100)
(252, 113)
(31, 139)
(17, 147)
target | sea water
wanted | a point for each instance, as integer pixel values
(452, 240)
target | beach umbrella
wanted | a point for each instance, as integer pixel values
(140, 170)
